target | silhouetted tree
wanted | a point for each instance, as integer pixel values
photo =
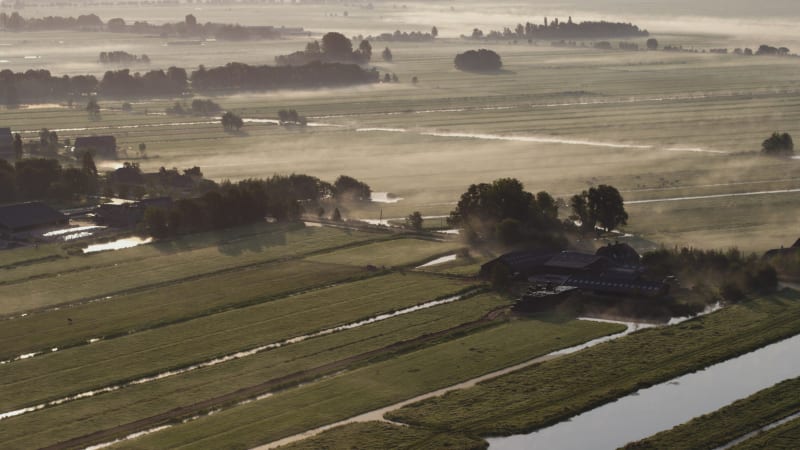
(231, 122)
(337, 45)
(606, 204)
(778, 144)
(337, 216)
(93, 109)
(652, 44)
(348, 188)
(434, 32)
(414, 221)
(478, 60)
(387, 55)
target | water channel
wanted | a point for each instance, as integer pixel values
(665, 405)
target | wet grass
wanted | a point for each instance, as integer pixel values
(137, 402)
(126, 314)
(376, 385)
(785, 437)
(385, 435)
(539, 396)
(720, 427)
(85, 277)
(395, 253)
(150, 352)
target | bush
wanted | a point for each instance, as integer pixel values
(478, 60)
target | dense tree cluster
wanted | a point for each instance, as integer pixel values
(563, 30)
(231, 122)
(238, 77)
(728, 274)
(121, 57)
(15, 22)
(478, 60)
(122, 83)
(291, 117)
(347, 188)
(601, 205)
(283, 198)
(335, 47)
(779, 144)
(503, 211)
(45, 179)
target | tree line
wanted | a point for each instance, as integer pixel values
(280, 197)
(122, 57)
(404, 36)
(41, 86)
(335, 47)
(563, 30)
(46, 179)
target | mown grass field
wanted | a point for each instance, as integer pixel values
(376, 385)
(400, 252)
(723, 426)
(141, 401)
(385, 435)
(535, 397)
(152, 351)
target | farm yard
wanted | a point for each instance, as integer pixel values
(329, 334)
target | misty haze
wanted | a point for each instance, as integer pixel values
(374, 224)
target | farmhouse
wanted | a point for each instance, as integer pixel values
(22, 217)
(6, 144)
(614, 270)
(781, 252)
(101, 147)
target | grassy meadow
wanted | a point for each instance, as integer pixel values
(280, 329)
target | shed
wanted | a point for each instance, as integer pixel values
(28, 216)
(101, 147)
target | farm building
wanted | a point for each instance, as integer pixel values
(101, 147)
(6, 144)
(23, 217)
(597, 273)
(781, 252)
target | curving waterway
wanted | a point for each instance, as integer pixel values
(663, 406)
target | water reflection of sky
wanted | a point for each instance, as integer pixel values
(663, 406)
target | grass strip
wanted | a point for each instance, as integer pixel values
(385, 435)
(152, 352)
(371, 387)
(539, 396)
(783, 437)
(720, 427)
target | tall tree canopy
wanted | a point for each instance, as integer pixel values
(600, 205)
(778, 144)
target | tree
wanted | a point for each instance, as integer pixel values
(142, 150)
(191, 21)
(387, 55)
(414, 80)
(350, 189)
(127, 107)
(337, 45)
(478, 60)
(580, 210)
(606, 204)
(87, 164)
(652, 44)
(231, 122)
(365, 50)
(434, 32)
(414, 221)
(17, 146)
(337, 216)
(155, 220)
(778, 145)
(93, 109)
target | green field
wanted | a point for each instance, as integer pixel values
(729, 423)
(539, 396)
(784, 438)
(401, 252)
(376, 385)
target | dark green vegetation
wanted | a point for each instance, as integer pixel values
(556, 29)
(384, 435)
(716, 429)
(780, 144)
(482, 60)
(556, 390)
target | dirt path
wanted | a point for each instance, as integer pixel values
(377, 415)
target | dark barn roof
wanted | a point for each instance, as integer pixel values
(788, 251)
(523, 262)
(576, 261)
(25, 216)
(620, 253)
(103, 146)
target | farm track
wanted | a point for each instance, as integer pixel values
(189, 278)
(276, 384)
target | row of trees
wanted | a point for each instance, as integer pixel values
(404, 36)
(199, 107)
(283, 198)
(41, 86)
(563, 30)
(122, 57)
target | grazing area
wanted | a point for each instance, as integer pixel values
(377, 225)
